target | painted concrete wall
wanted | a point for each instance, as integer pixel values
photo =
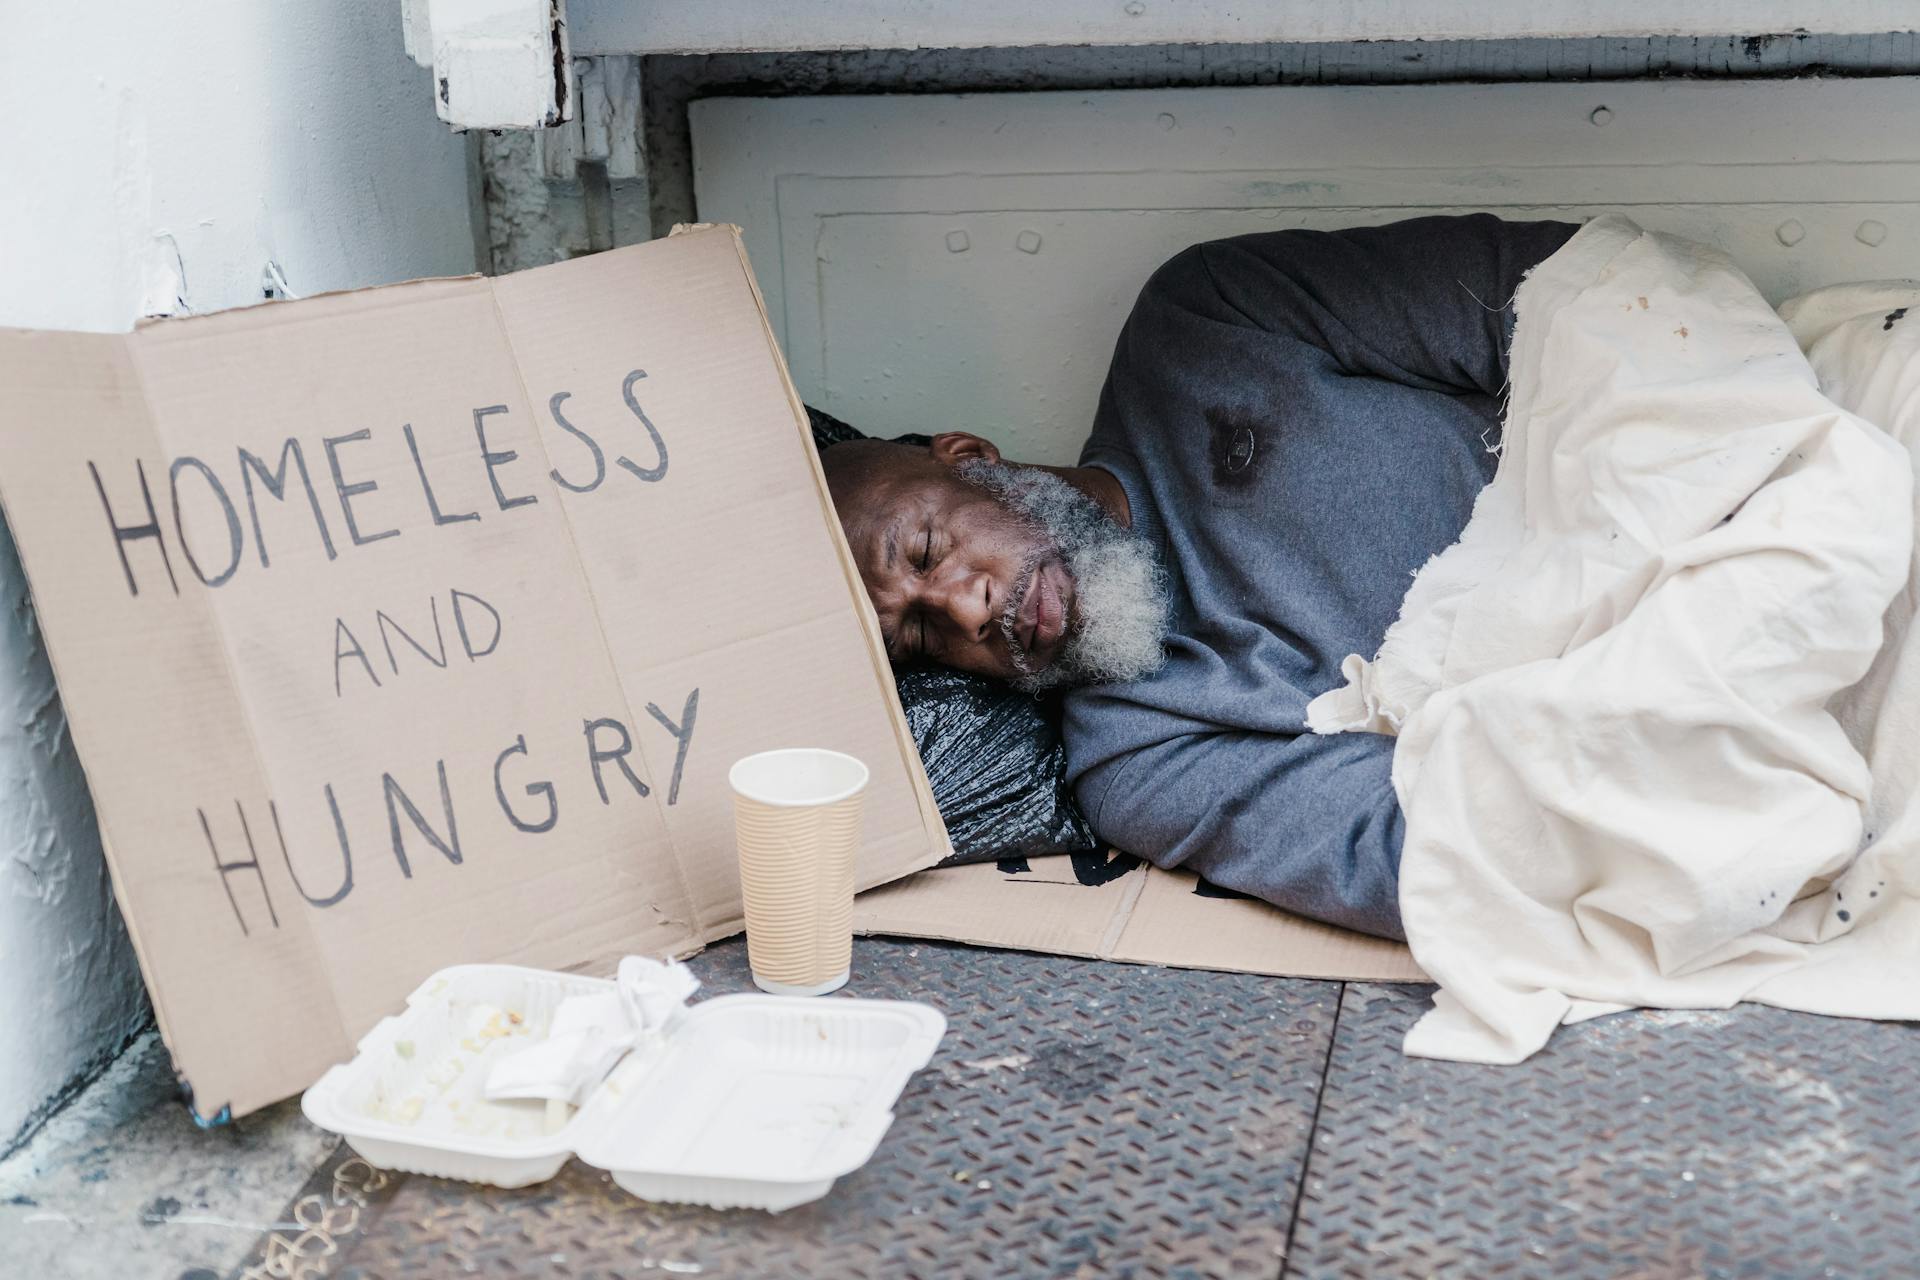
(160, 152)
(936, 263)
(670, 83)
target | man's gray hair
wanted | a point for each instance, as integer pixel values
(1121, 597)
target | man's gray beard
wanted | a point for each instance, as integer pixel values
(1119, 623)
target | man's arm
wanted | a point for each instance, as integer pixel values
(1306, 823)
(1426, 302)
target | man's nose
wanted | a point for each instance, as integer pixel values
(966, 597)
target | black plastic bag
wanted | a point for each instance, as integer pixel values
(997, 766)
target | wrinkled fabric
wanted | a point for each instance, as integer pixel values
(1637, 755)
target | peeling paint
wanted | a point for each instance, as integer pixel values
(164, 292)
(529, 222)
(66, 961)
(562, 63)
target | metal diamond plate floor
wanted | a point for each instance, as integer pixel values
(1099, 1120)
(1748, 1142)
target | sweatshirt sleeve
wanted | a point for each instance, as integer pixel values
(1425, 303)
(1307, 823)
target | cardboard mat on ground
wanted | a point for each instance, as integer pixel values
(1110, 906)
(420, 625)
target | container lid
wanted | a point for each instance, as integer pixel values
(761, 1088)
(751, 1088)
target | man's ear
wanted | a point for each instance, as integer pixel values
(951, 448)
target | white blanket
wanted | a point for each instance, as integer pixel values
(1643, 758)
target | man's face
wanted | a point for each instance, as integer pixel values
(975, 565)
(947, 564)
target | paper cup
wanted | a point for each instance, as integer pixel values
(796, 816)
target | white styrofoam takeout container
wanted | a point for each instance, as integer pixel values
(747, 1101)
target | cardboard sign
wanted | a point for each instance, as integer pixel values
(420, 625)
(1111, 906)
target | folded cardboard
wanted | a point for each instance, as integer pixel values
(1110, 906)
(420, 625)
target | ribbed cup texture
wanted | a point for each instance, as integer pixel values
(796, 877)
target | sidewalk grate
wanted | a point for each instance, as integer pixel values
(1080, 1119)
(1659, 1145)
(1113, 1122)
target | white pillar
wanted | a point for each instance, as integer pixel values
(157, 155)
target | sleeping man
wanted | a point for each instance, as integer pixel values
(1292, 424)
